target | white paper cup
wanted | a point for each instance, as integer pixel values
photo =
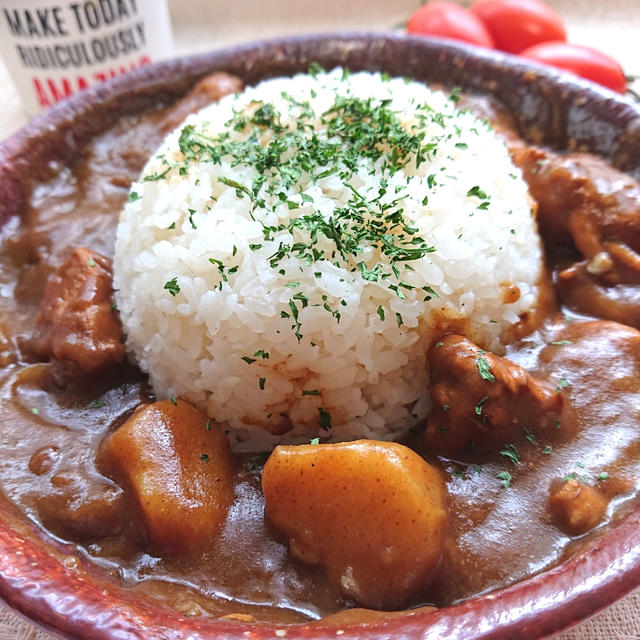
(53, 50)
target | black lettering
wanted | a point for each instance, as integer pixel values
(75, 7)
(111, 45)
(52, 58)
(91, 15)
(75, 55)
(85, 53)
(107, 11)
(59, 19)
(62, 56)
(98, 49)
(140, 29)
(123, 11)
(128, 41)
(134, 7)
(32, 27)
(22, 52)
(43, 18)
(15, 25)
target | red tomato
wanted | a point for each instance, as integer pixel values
(516, 25)
(449, 20)
(583, 61)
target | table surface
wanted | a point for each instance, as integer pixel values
(612, 26)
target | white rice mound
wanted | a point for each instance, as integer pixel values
(208, 304)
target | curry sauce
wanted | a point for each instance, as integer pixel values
(505, 502)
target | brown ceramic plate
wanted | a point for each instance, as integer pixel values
(49, 584)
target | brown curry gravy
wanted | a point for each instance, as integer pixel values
(497, 535)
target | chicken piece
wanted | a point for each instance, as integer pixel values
(555, 186)
(583, 200)
(577, 507)
(177, 467)
(480, 400)
(78, 327)
(586, 293)
(371, 513)
(208, 90)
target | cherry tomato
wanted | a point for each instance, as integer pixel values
(449, 20)
(583, 61)
(516, 25)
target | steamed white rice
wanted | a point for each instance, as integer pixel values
(222, 306)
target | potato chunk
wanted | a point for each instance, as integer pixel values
(177, 466)
(371, 513)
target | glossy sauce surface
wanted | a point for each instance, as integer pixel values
(49, 437)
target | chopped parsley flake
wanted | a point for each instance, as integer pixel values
(563, 384)
(204, 457)
(96, 404)
(310, 392)
(172, 286)
(261, 383)
(174, 401)
(485, 369)
(478, 407)
(154, 177)
(511, 453)
(133, 196)
(477, 192)
(314, 441)
(505, 477)
(325, 419)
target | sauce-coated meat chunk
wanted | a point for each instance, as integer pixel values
(585, 292)
(577, 507)
(208, 90)
(371, 513)
(77, 324)
(481, 400)
(177, 466)
(584, 201)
